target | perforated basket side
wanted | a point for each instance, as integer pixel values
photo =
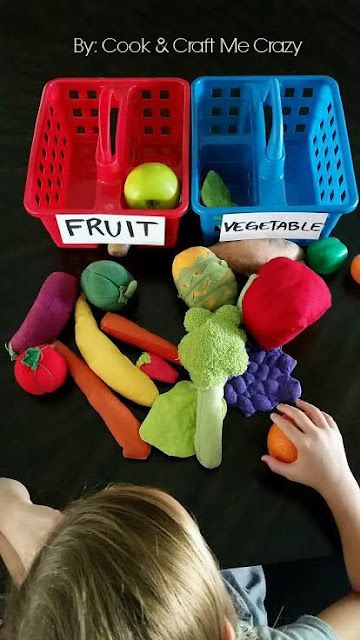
(50, 156)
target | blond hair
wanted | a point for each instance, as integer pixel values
(127, 563)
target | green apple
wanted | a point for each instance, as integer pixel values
(152, 185)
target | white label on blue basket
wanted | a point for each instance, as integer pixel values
(111, 229)
(277, 224)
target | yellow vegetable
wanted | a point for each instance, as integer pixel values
(107, 361)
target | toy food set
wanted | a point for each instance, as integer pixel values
(232, 353)
(276, 144)
(109, 155)
(110, 147)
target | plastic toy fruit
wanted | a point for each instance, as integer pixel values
(152, 185)
(108, 285)
(279, 446)
(355, 268)
(40, 370)
(326, 255)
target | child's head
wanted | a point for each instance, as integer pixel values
(127, 563)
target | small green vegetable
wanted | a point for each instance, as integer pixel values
(107, 285)
(326, 256)
(214, 192)
(170, 423)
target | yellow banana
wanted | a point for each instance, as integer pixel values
(107, 361)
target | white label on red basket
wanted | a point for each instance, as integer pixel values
(111, 229)
(277, 224)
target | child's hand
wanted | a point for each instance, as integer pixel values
(321, 462)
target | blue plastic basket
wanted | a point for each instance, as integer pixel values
(279, 143)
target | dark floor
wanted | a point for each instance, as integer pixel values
(293, 588)
(306, 586)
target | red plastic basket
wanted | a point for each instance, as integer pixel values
(77, 166)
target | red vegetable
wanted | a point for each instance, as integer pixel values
(48, 315)
(122, 424)
(40, 370)
(127, 331)
(157, 368)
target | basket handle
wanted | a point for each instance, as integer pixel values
(107, 162)
(271, 153)
(275, 146)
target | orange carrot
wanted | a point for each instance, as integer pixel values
(127, 331)
(122, 424)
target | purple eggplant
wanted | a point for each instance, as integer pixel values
(48, 315)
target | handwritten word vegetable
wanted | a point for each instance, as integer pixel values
(40, 370)
(157, 368)
(48, 315)
(122, 424)
(127, 331)
(107, 361)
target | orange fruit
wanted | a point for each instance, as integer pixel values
(279, 446)
(355, 268)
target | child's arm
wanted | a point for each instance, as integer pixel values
(322, 465)
(24, 527)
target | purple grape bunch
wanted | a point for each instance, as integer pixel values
(266, 382)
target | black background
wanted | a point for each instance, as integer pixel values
(57, 445)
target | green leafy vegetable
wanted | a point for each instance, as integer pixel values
(214, 192)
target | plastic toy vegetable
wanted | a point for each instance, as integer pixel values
(48, 315)
(128, 331)
(203, 280)
(326, 255)
(212, 351)
(40, 370)
(282, 301)
(170, 424)
(122, 424)
(248, 256)
(355, 268)
(107, 361)
(108, 285)
(157, 368)
(214, 192)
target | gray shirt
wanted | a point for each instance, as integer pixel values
(247, 589)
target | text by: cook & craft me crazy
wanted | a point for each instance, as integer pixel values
(227, 46)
